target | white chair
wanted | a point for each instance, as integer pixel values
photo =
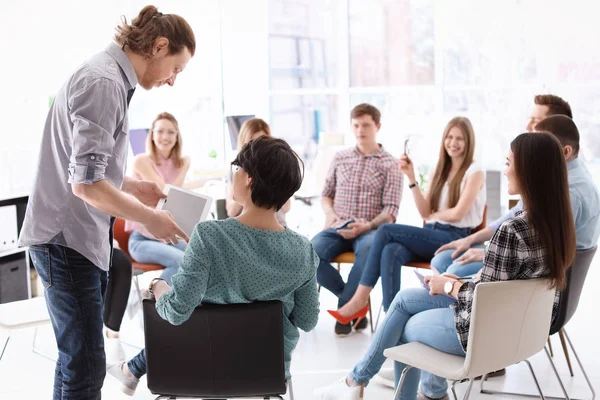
(510, 321)
(24, 314)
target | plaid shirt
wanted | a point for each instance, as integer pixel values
(363, 186)
(513, 253)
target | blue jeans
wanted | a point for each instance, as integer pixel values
(74, 290)
(414, 316)
(395, 245)
(329, 244)
(444, 262)
(137, 365)
(150, 251)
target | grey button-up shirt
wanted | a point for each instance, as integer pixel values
(84, 141)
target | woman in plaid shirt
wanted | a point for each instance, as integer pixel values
(538, 242)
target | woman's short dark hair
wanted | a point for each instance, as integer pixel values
(275, 169)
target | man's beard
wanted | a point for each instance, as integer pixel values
(150, 77)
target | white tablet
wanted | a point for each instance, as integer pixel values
(187, 207)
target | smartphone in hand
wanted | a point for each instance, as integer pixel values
(345, 226)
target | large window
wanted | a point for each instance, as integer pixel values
(425, 61)
(391, 42)
(303, 43)
(303, 64)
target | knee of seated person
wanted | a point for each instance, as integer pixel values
(405, 295)
(364, 246)
(386, 228)
(457, 270)
(442, 261)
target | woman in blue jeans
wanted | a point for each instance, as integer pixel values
(537, 242)
(451, 206)
(162, 163)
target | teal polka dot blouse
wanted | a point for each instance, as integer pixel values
(229, 262)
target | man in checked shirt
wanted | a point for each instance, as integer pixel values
(362, 191)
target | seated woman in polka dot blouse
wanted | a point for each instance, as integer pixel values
(247, 258)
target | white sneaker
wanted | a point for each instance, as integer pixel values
(386, 377)
(128, 384)
(113, 349)
(339, 391)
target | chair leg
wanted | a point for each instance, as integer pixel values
(453, 389)
(4, 347)
(290, 389)
(556, 373)
(378, 315)
(136, 282)
(468, 392)
(36, 351)
(564, 346)
(139, 294)
(550, 346)
(535, 379)
(579, 363)
(566, 395)
(371, 316)
(401, 382)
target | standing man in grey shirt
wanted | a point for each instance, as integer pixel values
(81, 183)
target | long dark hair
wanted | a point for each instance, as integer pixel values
(542, 174)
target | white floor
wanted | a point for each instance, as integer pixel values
(321, 357)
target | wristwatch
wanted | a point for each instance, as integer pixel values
(412, 185)
(152, 283)
(449, 287)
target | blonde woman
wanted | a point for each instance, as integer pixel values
(451, 206)
(250, 130)
(163, 164)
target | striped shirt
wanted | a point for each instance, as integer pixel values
(514, 253)
(363, 186)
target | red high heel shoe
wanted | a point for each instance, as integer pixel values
(359, 315)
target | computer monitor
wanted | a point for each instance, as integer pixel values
(234, 123)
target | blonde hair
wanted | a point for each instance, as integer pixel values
(442, 170)
(175, 151)
(249, 128)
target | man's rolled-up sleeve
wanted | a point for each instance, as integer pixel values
(95, 110)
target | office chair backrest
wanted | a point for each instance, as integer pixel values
(509, 323)
(221, 208)
(483, 223)
(121, 236)
(569, 297)
(222, 350)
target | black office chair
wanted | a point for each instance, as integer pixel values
(222, 351)
(567, 305)
(220, 206)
